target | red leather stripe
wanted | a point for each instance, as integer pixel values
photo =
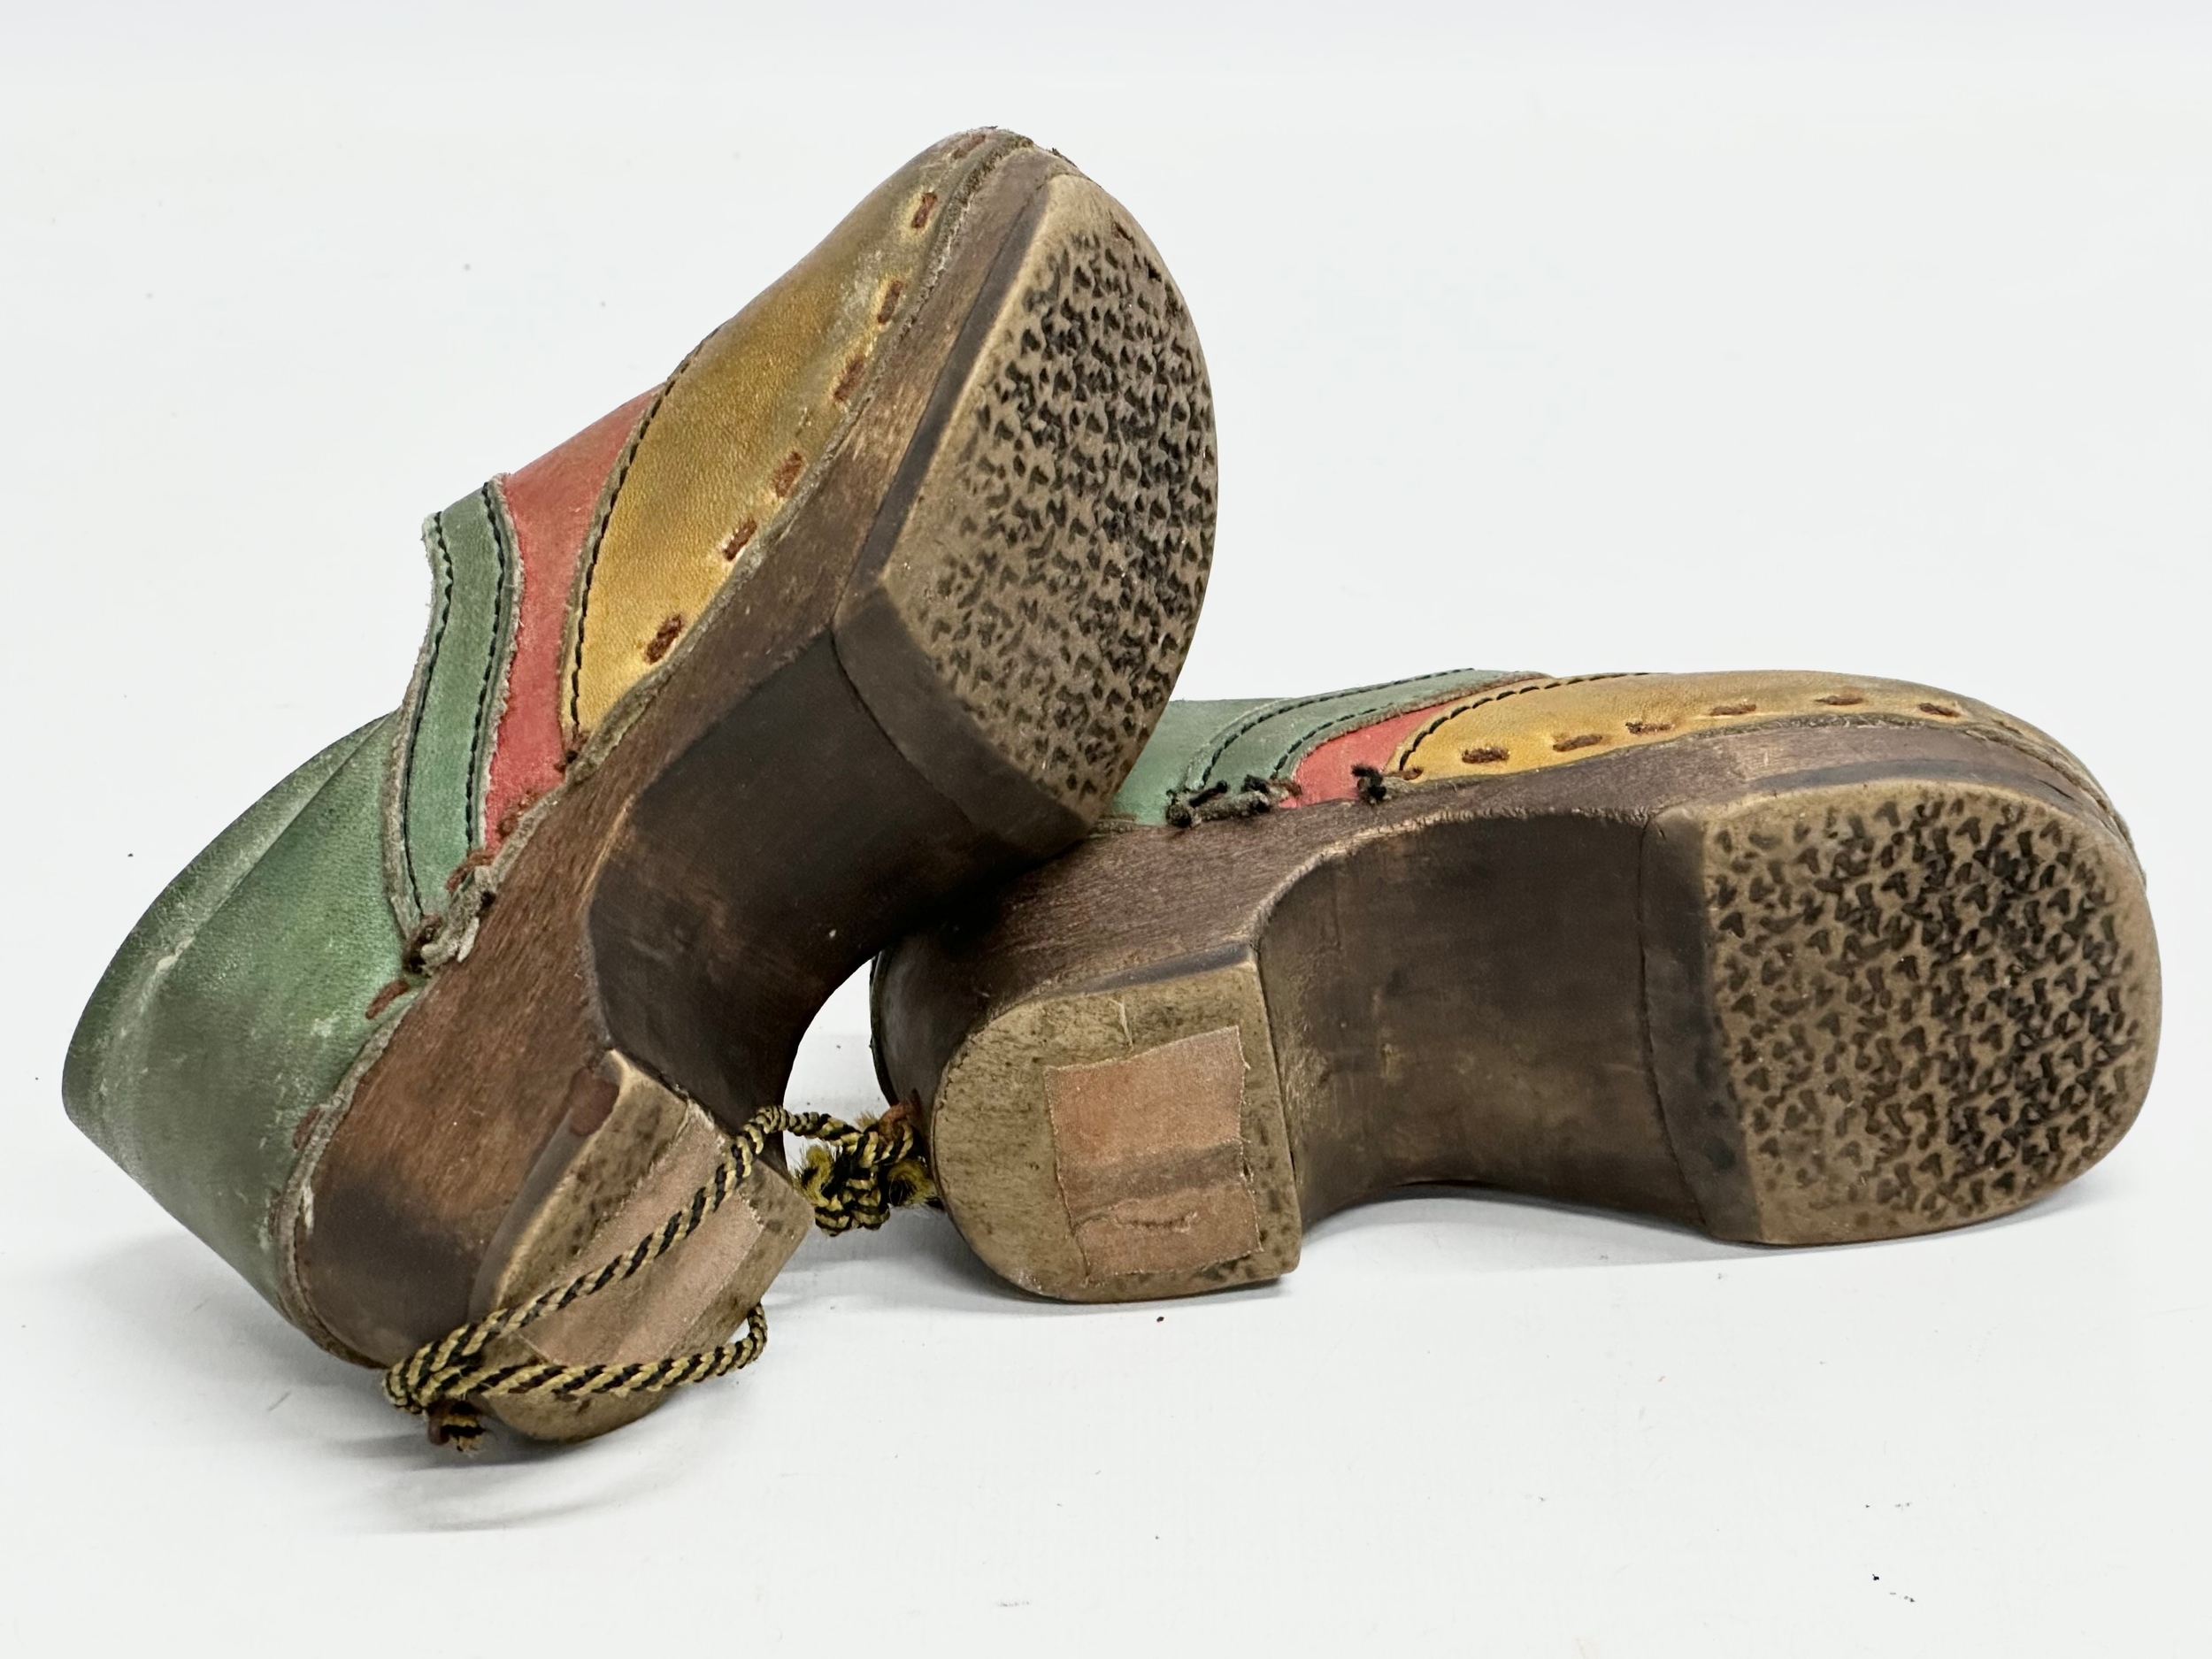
(551, 502)
(1325, 773)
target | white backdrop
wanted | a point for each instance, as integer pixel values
(1649, 337)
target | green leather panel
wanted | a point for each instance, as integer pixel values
(240, 1001)
(1269, 742)
(1200, 743)
(453, 707)
(1186, 730)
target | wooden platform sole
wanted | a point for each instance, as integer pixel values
(1806, 986)
(1018, 526)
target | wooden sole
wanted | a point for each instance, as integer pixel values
(1812, 985)
(1020, 521)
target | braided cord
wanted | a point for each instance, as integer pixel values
(855, 1177)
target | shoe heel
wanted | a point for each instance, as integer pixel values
(629, 1154)
(1020, 610)
(1895, 1005)
(1122, 1140)
(937, 675)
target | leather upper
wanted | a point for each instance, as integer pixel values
(226, 1034)
(1454, 727)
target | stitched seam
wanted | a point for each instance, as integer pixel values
(472, 799)
(1265, 712)
(422, 702)
(950, 224)
(1416, 739)
(1354, 721)
(588, 567)
(503, 695)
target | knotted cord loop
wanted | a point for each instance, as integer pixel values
(858, 1175)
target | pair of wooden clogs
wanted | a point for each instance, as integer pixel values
(855, 637)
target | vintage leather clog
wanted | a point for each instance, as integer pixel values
(881, 593)
(1795, 958)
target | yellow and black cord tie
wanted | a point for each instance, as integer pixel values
(854, 1176)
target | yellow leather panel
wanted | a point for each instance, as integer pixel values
(1549, 722)
(729, 447)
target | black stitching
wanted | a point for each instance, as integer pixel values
(1260, 716)
(422, 701)
(1267, 711)
(1414, 741)
(474, 796)
(589, 563)
(1359, 718)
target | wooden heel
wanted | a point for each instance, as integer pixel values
(1123, 1139)
(1840, 979)
(629, 1154)
(936, 670)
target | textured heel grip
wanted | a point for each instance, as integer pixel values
(1047, 572)
(1932, 1002)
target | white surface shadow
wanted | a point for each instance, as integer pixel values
(232, 1375)
(1478, 1230)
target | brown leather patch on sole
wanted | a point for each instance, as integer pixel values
(1149, 1154)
